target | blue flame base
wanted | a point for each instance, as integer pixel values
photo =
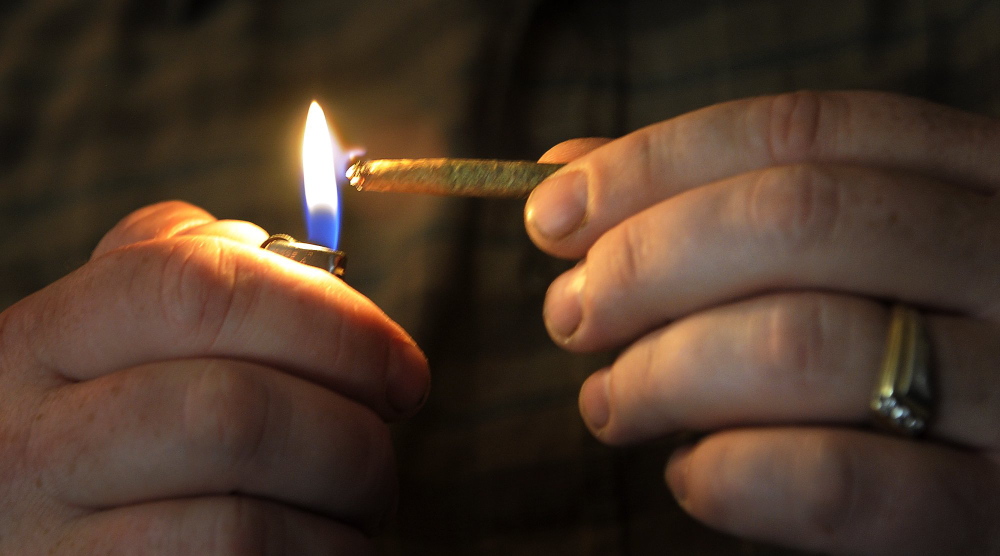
(323, 227)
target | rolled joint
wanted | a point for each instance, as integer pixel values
(450, 176)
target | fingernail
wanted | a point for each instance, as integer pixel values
(562, 310)
(677, 471)
(558, 206)
(409, 381)
(594, 404)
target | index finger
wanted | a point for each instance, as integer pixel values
(187, 297)
(855, 128)
(174, 218)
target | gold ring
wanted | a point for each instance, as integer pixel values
(902, 402)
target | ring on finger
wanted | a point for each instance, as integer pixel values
(902, 402)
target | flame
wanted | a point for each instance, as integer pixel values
(324, 164)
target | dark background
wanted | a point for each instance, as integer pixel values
(107, 105)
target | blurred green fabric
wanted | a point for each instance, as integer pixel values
(107, 105)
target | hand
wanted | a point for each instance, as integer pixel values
(744, 254)
(186, 392)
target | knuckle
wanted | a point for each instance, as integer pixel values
(48, 448)
(10, 340)
(830, 496)
(246, 527)
(135, 226)
(793, 124)
(34, 452)
(625, 373)
(226, 414)
(642, 391)
(349, 340)
(647, 370)
(572, 149)
(374, 467)
(25, 327)
(792, 348)
(646, 152)
(625, 251)
(794, 207)
(195, 283)
(362, 471)
(711, 501)
(127, 226)
(122, 233)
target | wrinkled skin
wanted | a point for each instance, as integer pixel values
(744, 257)
(186, 392)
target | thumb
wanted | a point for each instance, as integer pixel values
(563, 206)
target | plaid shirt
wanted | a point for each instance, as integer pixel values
(108, 105)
